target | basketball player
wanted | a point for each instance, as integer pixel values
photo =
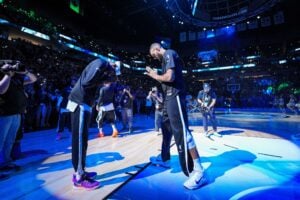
(106, 109)
(80, 104)
(175, 117)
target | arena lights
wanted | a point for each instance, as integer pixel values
(67, 38)
(206, 63)
(224, 68)
(251, 57)
(281, 62)
(210, 34)
(35, 33)
(139, 62)
(194, 7)
(3, 21)
(297, 49)
(126, 65)
(72, 46)
(249, 65)
(77, 48)
(139, 68)
(184, 71)
(112, 56)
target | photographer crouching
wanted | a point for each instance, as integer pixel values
(13, 77)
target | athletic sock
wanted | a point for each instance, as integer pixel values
(113, 127)
(197, 165)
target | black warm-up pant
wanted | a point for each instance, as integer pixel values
(63, 118)
(172, 124)
(80, 124)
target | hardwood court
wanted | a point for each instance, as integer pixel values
(47, 171)
(259, 149)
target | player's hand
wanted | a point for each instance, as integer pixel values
(150, 72)
(148, 69)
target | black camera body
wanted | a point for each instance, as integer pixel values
(16, 66)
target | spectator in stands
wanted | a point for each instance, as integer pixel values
(292, 104)
(139, 99)
(282, 105)
(64, 115)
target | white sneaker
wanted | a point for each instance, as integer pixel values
(159, 162)
(195, 181)
(207, 134)
(217, 134)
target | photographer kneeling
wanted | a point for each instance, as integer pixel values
(12, 105)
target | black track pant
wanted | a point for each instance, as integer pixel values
(63, 118)
(80, 123)
(172, 124)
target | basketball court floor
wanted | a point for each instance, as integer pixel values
(257, 157)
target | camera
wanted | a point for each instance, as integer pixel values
(15, 66)
(154, 89)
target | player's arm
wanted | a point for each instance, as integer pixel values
(169, 76)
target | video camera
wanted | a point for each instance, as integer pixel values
(15, 66)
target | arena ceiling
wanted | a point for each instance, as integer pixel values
(140, 21)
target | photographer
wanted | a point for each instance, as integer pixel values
(12, 105)
(127, 107)
(157, 98)
(207, 100)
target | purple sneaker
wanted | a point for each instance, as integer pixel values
(90, 175)
(85, 183)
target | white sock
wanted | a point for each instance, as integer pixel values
(100, 130)
(78, 176)
(197, 165)
(113, 127)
